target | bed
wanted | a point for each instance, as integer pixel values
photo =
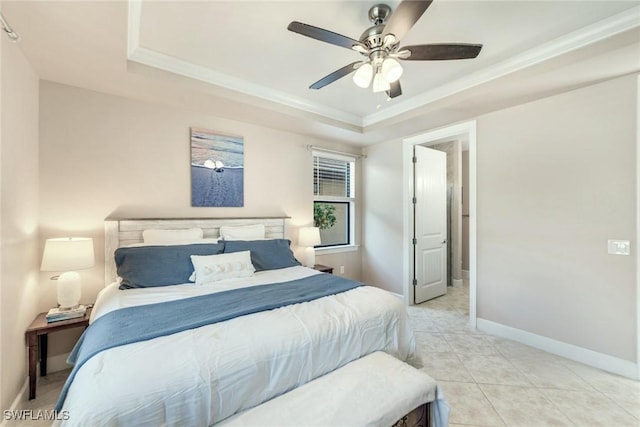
(202, 375)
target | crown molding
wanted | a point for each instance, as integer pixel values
(616, 24)
(134, 15)
(601, 30)
(151, 58)
(184, 68)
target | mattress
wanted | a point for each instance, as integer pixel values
(201, 376)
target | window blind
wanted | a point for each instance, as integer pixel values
(332, 177)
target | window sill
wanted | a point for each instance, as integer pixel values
(337, 249)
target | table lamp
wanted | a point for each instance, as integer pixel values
(68, 254)
(309, 237)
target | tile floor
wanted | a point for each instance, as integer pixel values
(488, 381)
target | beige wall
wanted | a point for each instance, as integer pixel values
(103, 155)
(382, 263)
(453, 150)
(465, 210)
(19, 262)
(556, 179)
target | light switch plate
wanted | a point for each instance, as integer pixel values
(619, 247)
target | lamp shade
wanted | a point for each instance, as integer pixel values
(380, 84)
(362, 76)
(391, 70)
(68, 254)
(309, 236)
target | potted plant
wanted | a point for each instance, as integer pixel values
(324, 216)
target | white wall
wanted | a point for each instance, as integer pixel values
(19, 263)
(103, 155)
(556, 179)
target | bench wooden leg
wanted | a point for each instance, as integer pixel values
(419, 417)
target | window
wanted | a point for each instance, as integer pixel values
(334, 198)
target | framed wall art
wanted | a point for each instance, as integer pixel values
(217, 169)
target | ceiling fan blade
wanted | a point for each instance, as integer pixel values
(338, 74)
(405, 16)
(437, 52)
(323, 35)
(395, 89)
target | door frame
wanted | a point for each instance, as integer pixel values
(466, 130)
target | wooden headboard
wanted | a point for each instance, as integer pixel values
(121, 232)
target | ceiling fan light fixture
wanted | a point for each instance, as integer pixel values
(380, 45)
(380, 84)
(363, 75)
(360, 48)
(389, 40)
(391, 70)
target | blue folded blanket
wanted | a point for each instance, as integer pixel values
(133, 324)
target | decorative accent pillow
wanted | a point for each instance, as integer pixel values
(243, 232)
(152, 266)
(163, 237)
(213, 268)
(270, 254)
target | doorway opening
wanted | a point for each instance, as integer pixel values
(464, 135)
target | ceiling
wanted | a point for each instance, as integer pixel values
(236, 59)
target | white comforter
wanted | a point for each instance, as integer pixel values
(201, 376)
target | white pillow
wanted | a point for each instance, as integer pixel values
(213, 268)
(243, 232)
(194, 242)
(163, 237)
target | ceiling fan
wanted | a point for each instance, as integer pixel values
(380, 44)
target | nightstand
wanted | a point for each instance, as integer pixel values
(37, 339)
(323, 268)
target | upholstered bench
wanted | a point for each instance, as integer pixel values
(376, 390)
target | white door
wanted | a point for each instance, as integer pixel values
(430, 221)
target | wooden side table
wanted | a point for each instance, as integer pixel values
(323, 268)
(37, 339)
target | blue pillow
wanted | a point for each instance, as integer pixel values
(269, 254)
(151, 266)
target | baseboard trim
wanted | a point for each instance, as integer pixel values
(465, 274)
(57, 363)
(397, 295)
(21, 397)
(457, 283)
(598, 360)
(54, 364)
